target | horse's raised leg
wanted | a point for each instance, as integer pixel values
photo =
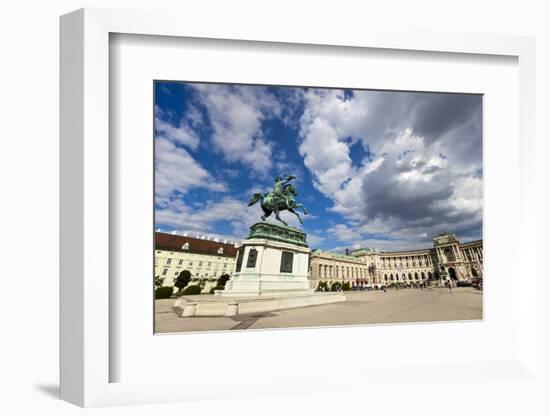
(279, 218)
(295, 213)
(301, 207)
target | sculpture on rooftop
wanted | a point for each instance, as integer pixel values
(281, 198)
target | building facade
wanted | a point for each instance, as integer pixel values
(448, 259)
(205, 259)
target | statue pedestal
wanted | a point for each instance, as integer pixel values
(272, 260)
(271, 274)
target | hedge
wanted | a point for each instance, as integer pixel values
(192, 290)
(217, 287)
(164, 292)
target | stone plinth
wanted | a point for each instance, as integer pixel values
(275, 232)
(271, 274)
(212, 305)
(272, 260)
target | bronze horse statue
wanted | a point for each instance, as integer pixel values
(277, 201)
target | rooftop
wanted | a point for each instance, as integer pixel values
(174, 242)
(335, 255)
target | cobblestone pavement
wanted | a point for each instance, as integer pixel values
(373, 307)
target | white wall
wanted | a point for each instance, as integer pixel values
(29, 172)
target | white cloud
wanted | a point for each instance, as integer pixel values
(315, 239)
(236, 115)
(181, 134)
(177, 171)
(203, 217)
(411, 186)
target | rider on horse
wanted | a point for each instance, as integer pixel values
(279, 189)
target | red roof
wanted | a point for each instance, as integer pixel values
(172, 242)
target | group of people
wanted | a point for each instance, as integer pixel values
(421, 285)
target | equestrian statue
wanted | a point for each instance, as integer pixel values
(281, 198)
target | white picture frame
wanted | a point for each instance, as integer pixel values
(85, 205)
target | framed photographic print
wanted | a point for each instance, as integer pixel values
(264, 203)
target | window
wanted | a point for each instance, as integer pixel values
(287, 258)
(200, 263)
(240, 255)
(168, 261)
(252, 256)
(164, 272)
(180, 262)
(190, 263)
(209, 263)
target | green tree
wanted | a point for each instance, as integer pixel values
(222, 281)
(183, 279)
(158, 281)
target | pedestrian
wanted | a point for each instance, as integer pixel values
(448, 283)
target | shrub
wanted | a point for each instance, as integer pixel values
(164, 292)
(159, 281)
(336, 286)
(217, 287)
(192, 290)
(347, 286)
(222, 280)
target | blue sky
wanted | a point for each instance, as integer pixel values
(374, 168)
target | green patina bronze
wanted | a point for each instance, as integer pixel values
(280, 199)
(275, 232)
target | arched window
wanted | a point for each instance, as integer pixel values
(449, 255)
(391, 276)
(386, 277)
(415, 275)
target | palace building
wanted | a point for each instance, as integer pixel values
(206, 259)
(447, 259)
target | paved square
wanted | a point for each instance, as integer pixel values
(373, 307)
